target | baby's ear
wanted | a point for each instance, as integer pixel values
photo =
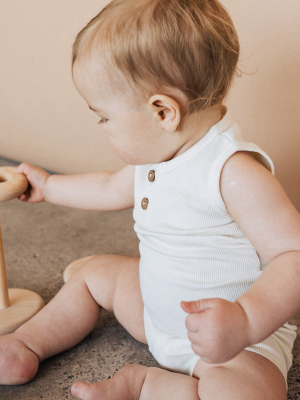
(166, 111)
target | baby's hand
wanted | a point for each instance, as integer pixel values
(218, 329)
(37, 179)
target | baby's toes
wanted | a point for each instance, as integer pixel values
(83, 391)
(94, 391)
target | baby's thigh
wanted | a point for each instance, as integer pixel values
(247, 376)
(114, 284)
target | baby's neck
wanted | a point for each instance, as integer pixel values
(198, 124)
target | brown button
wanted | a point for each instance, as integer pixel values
(145, 203)
(151, 176)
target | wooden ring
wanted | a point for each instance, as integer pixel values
(12, 184)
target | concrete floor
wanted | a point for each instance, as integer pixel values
(39, 242)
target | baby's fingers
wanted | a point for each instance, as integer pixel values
(26, 195)
(24, 168)
(199, 347)
(190, 307)
(198, 306)
(193, 322)
(23, 197)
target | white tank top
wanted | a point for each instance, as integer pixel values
(190, 246)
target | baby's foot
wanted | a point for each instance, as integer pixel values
(18, 364)
(126, 384)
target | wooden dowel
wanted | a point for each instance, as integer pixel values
(4, 299)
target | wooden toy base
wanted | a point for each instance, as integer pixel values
(74, 266)
(24, 304)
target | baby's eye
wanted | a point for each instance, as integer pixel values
(102, 120)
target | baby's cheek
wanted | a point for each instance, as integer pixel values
(124, 151)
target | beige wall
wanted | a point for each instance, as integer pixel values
(44, 121)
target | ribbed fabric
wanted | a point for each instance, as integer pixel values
(278, 348)
(190, 246)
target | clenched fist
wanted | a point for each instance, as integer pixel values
(37, 178)
(218, 329)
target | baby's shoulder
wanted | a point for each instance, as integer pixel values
(244, 165)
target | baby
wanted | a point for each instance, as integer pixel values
(218, 275)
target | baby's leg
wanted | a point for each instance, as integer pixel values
(109, 281)
(247, 376)
(134, 382)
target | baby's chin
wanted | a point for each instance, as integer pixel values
(133, 159)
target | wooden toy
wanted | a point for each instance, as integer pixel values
(16, 305)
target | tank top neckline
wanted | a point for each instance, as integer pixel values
(224, 124)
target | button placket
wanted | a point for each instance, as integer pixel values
(145, 200)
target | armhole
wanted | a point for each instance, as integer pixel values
(215, 175)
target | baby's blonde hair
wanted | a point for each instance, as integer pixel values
(150, 46)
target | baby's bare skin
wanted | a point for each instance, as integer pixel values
(18, 363)
(126, 384)
(111, 282)
(155, 128)
(116, 279)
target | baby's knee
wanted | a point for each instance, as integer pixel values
(100, 275)
(91, 266)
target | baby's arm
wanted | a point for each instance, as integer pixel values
(101, 191)
(218, 329)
